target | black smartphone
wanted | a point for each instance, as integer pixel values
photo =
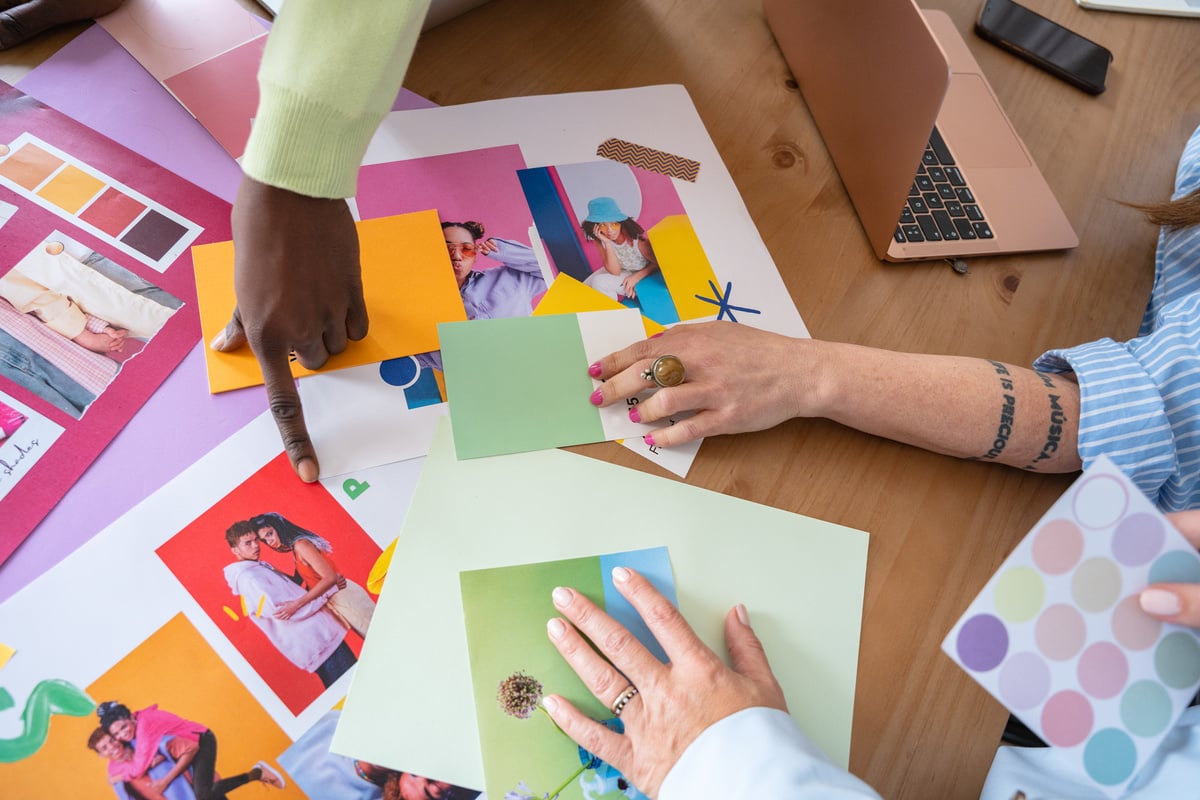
(1061, 52)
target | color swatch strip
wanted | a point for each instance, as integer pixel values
(86, 197)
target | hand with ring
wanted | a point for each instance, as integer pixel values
(658, 703)
(736, 378)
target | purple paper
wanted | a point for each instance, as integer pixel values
(94, 80)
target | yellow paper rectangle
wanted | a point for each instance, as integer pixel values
(684, 265)
(407, 279)
(569, 296)
(71, 189)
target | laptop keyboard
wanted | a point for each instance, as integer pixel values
(940, 205)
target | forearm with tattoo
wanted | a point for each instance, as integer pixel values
(1007, 412)
(1058, 418)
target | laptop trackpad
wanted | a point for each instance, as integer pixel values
(976, 129)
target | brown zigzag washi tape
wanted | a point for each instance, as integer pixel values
(648, 158)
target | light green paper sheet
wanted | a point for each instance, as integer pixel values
(411, 703)
(505, 617)
(518, 384)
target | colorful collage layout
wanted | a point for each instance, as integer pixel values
(225, 615)
(97, 300)
(234, 603)
(693, 252)
(507, 267)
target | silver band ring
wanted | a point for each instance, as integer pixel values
(666, 371)
(619, 704)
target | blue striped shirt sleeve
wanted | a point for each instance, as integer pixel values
(1121, 411)
(1140, 400)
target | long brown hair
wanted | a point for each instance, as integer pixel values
(1173, 214)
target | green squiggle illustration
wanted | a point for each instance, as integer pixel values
(47, 698)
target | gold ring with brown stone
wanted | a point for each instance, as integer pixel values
(665, 371)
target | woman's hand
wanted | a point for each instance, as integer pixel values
(299, 289)
(486, 247)
(737, 379)
(286, 610)
(1177, 602)
(676, 702)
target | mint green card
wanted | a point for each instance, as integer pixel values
(517, 384)
(522, 384)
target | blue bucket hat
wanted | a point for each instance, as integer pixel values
(604, 209)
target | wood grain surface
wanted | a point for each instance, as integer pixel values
(939, 527)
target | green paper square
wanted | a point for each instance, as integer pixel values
(517, 384)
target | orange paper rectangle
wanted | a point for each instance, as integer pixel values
(407, 279)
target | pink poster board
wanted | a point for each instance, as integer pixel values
(96, 245)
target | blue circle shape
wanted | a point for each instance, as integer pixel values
(1177, 566)
(400, 372)
(1110, 757)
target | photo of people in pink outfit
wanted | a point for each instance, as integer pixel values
(154, 754)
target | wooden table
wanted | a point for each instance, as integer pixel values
(939, 527)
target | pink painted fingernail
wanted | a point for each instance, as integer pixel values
(656, 335)
(620, 574)
(1160, 602)
(550, 703)
(561, 597)
(594, 370)
(555, 628)
(634, 414)
(649, 439)
(597, 397)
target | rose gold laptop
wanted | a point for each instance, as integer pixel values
(927, 155)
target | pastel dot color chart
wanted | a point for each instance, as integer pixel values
(1057, 634)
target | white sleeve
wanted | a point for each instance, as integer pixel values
(758, 752)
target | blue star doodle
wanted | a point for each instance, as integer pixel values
(722, 302)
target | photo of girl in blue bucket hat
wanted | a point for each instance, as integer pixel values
(625, 254)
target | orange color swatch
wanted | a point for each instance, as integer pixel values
(407, 279)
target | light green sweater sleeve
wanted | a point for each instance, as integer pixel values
(329, 75)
